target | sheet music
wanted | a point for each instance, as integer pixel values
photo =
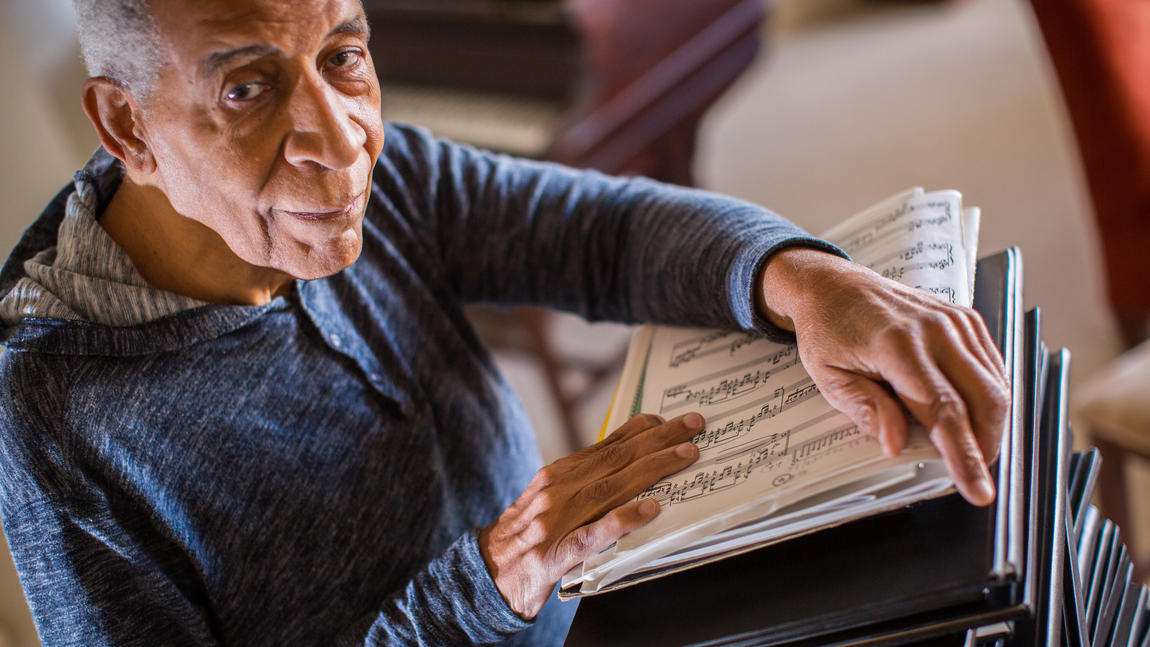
(771, 438)
(919, 239)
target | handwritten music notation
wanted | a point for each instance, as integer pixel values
(709, 344)
(894, 225)
(901, 271)
(714, 478)
(918, 249)
(914, 238)
(783, 399)
(731, 384)
(945, 291)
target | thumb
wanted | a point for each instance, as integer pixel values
(867, 403)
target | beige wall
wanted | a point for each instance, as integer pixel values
(39, 156)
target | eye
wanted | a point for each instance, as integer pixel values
(246, 91)
(346, 59)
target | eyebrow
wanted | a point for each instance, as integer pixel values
(216, 60)
(356, 25)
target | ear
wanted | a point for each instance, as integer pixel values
(116, 116)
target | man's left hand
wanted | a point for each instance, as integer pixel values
(867, 340)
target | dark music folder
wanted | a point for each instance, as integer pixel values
(937, 572)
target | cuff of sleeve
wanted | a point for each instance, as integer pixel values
(488, 608)
(746, 269)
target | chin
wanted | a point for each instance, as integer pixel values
(329, 259)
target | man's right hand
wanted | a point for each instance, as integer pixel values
(579, 505)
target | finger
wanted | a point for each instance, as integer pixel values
(672, 432)
(604, 494)
(867, 403)
(637, 424)
(594, 499)
(606, 459)
(987, 397)
(558, 481)
(932, 399)
(589, 539)
(977, 337)
(965, 462)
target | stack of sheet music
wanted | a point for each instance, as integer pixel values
(1037, 568)
(776, 460)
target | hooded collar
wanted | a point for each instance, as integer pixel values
(67, 284)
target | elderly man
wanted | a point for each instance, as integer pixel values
(242, 405)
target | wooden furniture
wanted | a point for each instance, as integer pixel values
(1114, 406)
(1098, 49)
(615, 85)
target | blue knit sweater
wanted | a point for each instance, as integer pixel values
(313, 471)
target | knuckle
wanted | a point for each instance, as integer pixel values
(599, 491)
(536, 531)
(973, 317)
(1000, 398)
(948, 409)
(545, 500)
(897, 338)
(957, 312)
(645, 421)
(937, 322)
(615, 455)
(971, 459)
(581, 541)
(545, 476)
(866, 415)
(651, 420)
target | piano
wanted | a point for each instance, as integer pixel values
(615, 85)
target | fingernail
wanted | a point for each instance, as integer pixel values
(648, 508)
(693, 421)
(686, 450)
(985, 489)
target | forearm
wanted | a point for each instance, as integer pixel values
(512, 231)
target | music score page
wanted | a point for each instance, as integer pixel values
(772, 440)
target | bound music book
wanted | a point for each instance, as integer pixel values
(938, 572)
(776, 460)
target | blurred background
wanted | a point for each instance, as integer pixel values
(813, 108)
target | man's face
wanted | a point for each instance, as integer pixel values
(266, 125)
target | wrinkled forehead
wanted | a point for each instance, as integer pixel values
(194, 30)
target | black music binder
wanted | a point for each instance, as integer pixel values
(924, 575)
(1041, 567)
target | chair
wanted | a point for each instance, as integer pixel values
(1114, 407)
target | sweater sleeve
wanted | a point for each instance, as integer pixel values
(453, 601)
(512, 231)
(94, 579)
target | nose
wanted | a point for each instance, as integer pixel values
(322, 130)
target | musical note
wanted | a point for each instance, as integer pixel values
(717, 477)
(735, 383)
(715, 342)
(781, 400)
(945, 291)
(825, 442)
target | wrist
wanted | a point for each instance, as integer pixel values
(788, 279)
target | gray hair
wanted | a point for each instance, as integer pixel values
(119, 39)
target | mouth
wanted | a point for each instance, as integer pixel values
(330, 213)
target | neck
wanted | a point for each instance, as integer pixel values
(180, 255)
